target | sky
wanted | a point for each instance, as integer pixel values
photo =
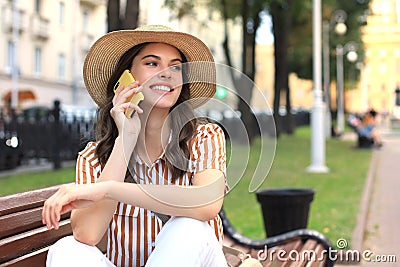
(264, 33)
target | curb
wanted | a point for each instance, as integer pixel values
(359, 231)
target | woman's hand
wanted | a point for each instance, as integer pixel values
(69, 197)
(126, 126)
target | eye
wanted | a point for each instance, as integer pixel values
(176, 68)
(151, 63)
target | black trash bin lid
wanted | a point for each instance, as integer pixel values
(285, 194)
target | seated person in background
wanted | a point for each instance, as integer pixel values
(368, 128)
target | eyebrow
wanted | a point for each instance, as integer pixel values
(159, 58)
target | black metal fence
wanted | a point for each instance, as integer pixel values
(50, 134)
(56, 136)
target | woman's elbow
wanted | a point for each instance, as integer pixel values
(209, 212)
(87, 237)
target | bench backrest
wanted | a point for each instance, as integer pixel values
(24, 240)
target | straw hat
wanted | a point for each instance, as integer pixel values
(107, 50)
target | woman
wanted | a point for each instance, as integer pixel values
(368, 128)
(161, 162)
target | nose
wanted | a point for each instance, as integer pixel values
(165, 74)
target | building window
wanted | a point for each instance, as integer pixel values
(85, 21)
(62, 14)
(37, 68)
(10, 55)
(37, 6)
(61, 67)
(398, 11)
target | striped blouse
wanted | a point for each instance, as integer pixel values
(132, 230)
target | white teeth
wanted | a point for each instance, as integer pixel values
(161, 88)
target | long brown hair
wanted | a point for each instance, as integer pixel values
(183, 123)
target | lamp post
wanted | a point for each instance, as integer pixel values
(317, 115)
(337, 22)
(349, 48)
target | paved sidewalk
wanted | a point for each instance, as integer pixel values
(382, 236)
(376, 235)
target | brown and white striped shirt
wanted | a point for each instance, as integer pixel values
(133, 230)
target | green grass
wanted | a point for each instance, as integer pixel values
(28, 181)
(337, 193)
(336, 201)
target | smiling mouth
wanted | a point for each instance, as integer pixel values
(162, 88)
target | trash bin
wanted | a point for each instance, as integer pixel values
(284, 209)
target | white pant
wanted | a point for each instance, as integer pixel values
(182, 242)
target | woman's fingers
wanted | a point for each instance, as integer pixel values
(123, 93)
(121, 103)
(53, 207)
(67, 198)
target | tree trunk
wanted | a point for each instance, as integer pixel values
(281, 21)
(131, 14)
(243, 85)
(246, 86)
(128, 21)
(113, 19)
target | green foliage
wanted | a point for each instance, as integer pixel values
(181, 8)
(300, 47)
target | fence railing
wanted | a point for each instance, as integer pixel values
(56, 135)
(43, 134)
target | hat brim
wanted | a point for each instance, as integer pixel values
(103, 56)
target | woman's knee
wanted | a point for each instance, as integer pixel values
(69, 252)
(187, 228)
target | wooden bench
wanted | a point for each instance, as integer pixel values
(302, 247)
(24, 241)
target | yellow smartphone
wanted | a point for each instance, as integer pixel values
(125, 80)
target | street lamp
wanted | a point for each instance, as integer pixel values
(317, 116)
(349, 48)
(337, 22)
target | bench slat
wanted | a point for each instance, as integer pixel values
(36, 258)
(301, 261)
(22, 221)
(321, 257)
(277, 259)
(26, 200)
(15, 246)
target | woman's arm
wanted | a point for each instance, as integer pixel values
(89, 224)
(202, 201)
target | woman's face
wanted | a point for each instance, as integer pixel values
(158, 68)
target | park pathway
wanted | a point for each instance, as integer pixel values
(382, 236)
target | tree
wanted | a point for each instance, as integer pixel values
(292, 30)
(126, 20)
(281, 25)
(300, 45)
(250, 23)
(243, 87)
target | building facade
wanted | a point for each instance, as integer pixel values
(42, 47)
(380, 73)
(48, 41)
